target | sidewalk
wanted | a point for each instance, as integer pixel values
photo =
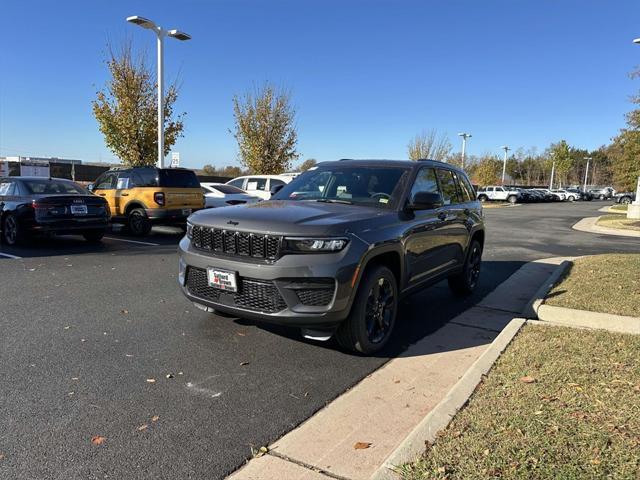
(354, 435)
(589, 225)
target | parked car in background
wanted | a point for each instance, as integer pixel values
(144, 196)
(335, 251)
(495, 193)
(260, 185)
(625, 198)
(557, 197)
(602, 193)
(40, 205)
(222, 195)
(573, 194)
(560, 193)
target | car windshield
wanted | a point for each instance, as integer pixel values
(370, 186)
(53, 187)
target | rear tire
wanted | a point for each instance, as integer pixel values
(138, 223)
(571, 198)
(625, 200)
(93, 236)
(368, 327)
(466, 282)
(483, 198)
(12, 233)
(512, 199)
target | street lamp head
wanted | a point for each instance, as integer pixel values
(637, 40)
(505, 148)
(141, 21)
(464, 135)
(177, 34)
(587, 158)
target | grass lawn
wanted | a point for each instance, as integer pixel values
(619, 221)
(618, 208)
(560, 403)
(601, 283)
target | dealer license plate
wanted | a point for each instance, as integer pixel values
(223, 279)
(78, 209)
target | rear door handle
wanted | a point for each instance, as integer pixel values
(124, 194)
(102, 194)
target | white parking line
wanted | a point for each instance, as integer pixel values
(8, 255)
(133, 241)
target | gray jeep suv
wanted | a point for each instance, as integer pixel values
(335, 250)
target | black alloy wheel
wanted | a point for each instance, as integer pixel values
(138, 222)
(380, 310)
(11, 230)
(466, 281)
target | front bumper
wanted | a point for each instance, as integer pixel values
(271, 291)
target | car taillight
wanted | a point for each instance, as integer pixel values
(158, 197)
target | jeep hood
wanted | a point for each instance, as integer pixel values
(289, 217)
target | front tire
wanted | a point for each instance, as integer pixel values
(512, 199)
(138, 223)
(368, 327)
(466, 282)
(483, 198)
(625, 200)
(12, 233)
(572, 198)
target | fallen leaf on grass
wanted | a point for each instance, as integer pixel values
(151, 380)
(242, 364)
(486, 452)
(1, 456)
(260, 452)
(155, 418)
(124, 311)
(361, 445)
(97, 440)
(527, 379)
(67, 327)
(169, 375)
(143, 427)
(242, 334)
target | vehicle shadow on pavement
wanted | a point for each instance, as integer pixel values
(422, 314)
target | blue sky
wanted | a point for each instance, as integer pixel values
(365, 75)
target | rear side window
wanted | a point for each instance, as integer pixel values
(450, 194)
(106, 181)
(425, 182)
(237, 183)
(7, 188)
(144, 177)
(275, 182)
(257, 184)
(178, 179)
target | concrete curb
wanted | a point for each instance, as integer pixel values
(582, 318)
(438, 419)
(531, 310)
(589, 225)
(609, 209)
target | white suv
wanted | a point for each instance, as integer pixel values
(510, 195)
(260, 185)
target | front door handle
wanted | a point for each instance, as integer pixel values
(124, 194)
(442, 216)
(102, 194)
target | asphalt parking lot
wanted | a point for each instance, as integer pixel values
(98, 341)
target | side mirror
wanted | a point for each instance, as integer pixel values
(275, 189)
(425, 201)
(90, 187)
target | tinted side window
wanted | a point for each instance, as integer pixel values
(146, 177)
(425, 182)
(275, 182)
(178, 178)
(450, 194)
(7, 188)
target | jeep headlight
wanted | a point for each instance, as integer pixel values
(189, 230)
(314, 245)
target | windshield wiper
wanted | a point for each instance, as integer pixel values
(334, 200)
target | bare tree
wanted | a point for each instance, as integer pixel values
(265, 130)
(429, 144)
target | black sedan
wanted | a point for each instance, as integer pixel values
(37, 205)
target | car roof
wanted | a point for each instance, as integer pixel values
(388, 163)
(33, 177)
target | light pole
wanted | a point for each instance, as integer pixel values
(553, 169)
(586, 174)
(634, 209)
(464, 144)
(160, 34)
(504, 163)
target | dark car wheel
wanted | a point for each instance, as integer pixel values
(465, 282)
(625, 200)
(602, 197)
(138, 223)
(368, 327)
(93, 236)
(12, 233)
(483, 198)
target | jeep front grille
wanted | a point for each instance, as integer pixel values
(253, 294)
(236, 243)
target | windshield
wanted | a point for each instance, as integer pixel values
(54, 187)
(370, 186)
